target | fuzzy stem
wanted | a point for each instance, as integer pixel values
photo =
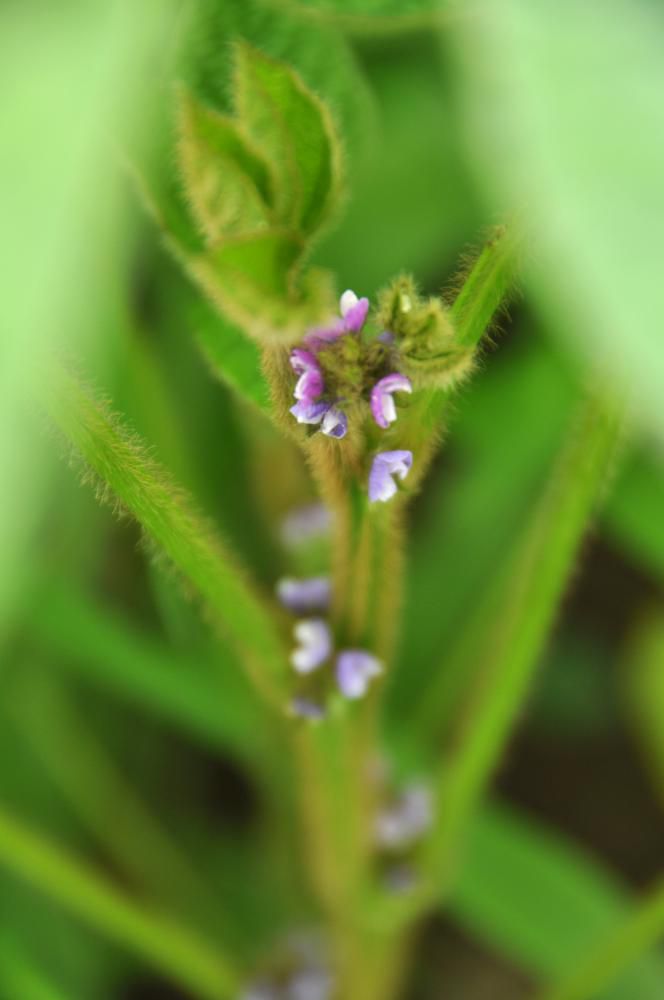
(169, 519)
(602, 966)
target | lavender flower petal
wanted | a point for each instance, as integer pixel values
(304, 708)
(261, 991)
(382, 403)
(387, 465)
(406, 820)
(400, 879)
(314, 644)
(301, 596)
(355, 668)
(321, 336)
(335, 423)
(306, 412)
(302, 524)
(353, 310)
(310, 384)
(310, 984)
(301, 361)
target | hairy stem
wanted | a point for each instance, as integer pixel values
(169, 519)
(487, 288)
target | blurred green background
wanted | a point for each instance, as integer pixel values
(116, 736)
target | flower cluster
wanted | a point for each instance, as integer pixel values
(304, 984)
(353, 669)
(400, 824)
(404, 821)
(300, 970)
(311, 406)
(337, 365)
(304, 525)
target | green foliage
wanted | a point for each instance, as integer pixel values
(320, 54)
(638, 931)
(129, 729)
(372, 16)
(502, 653)
(453, 528)
(294, 130)
(20, 978)
(232, 357)
(532, 896)
(153, 936)
(573, 144)
(632, 515)
(182, 688)
(167, 518)
(227, 183)
(260, 186)
(643, 683)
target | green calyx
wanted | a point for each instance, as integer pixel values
(424, 333)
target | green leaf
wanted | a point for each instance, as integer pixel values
(643, 684)
(226, 182)
(261, 261)
(294, 130)
(502, 646)
(320, 54)
(362, 249)
(373, 17)
(531, 896)
(616, 953)
(251, 280)
(170, 521)
(98, 645)
(633, 516)
(20, 975)
(233, 358)
(456, 547)
(105, 800)
(154, 937)
(564, 104)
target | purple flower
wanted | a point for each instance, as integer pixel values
(335, 423)
(304, 595)
(261, 991)
(320, 336)
(406, 819)
(315, 644)
(305, 523)
(353, 314)
(386, 465)
(355, 668)
(353, 310)
(400, 879)
(304, 708)
(382, 404)
(306, 412)
(310, 384)
(310, 984)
